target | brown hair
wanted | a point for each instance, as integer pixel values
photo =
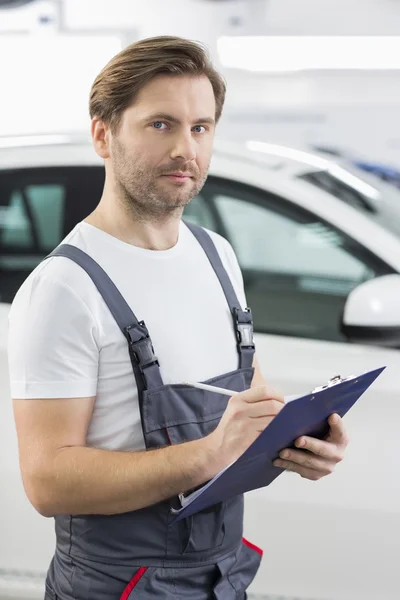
(117, 85)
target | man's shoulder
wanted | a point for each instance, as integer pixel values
(52, 276)
(220, 242)
(50, 287)
(222, 245)
(229, 261)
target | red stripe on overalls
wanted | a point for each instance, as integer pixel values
(133, 582)
(252, 546)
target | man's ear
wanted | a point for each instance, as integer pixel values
(101, 137)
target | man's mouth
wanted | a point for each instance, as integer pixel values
(178, 176)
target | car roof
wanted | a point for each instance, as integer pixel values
(69, 149)
(39, 149)
(46, 151)
(266, 170)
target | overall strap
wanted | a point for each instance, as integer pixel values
(242, 319)
(145, 365)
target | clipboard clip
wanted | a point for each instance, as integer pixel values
(333, 381)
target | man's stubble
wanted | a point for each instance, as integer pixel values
(142, 192)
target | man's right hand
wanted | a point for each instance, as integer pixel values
(62, 475)
(246, 416)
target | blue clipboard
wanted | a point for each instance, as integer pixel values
(306, 415)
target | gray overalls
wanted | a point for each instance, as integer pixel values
(141, 554)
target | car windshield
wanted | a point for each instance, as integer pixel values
(384, 207)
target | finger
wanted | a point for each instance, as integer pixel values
(311, 474)
(323, 448)
(259, 393)
(337, 433)
(337, 437)
(265, 408)
(263, 423)
(308, 460)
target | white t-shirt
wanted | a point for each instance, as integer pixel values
(64, 342)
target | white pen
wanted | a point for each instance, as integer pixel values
(217, 390)
(210, 388)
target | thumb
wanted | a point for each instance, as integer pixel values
(337, 434)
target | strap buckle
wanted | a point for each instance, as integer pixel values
(142, 347)
(244, 328)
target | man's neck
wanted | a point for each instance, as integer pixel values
(149, 235)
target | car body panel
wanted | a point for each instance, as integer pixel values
(336, 539)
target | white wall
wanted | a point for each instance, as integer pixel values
(333, 17)
(48, 86)
(357, 110)
(279, 17)
(45, 81)
(312, 89)
(197, 19)
(371, 132)
(25, 18)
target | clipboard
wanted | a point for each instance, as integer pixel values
(302, 415)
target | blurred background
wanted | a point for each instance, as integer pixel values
(305, 185)
(321, 73)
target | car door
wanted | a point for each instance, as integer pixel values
(298, 271)
(38, 207)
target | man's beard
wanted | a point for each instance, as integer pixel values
(139, 193)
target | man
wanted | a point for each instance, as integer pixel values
(108, 438)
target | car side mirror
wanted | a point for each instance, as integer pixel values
(372, 312)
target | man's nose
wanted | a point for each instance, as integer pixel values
(184, 147)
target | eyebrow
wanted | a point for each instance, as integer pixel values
(166, 117)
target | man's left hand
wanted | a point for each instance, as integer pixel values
(316, 458)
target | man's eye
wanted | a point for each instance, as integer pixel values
(199, 129)
(158, 125)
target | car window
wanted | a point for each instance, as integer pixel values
(265, 239)
(298, 270)
(40, 204)
(384, 208)
(38, 208)
(199, 212)
(324, 180)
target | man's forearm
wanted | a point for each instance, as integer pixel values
(85, 480)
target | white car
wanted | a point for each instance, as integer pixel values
(322, 275)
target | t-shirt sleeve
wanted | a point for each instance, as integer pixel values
(53, 349)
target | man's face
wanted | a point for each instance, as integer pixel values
(161, 154)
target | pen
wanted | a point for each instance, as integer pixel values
(217, 390)
(210, 388)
